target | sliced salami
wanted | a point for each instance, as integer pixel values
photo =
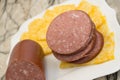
(77, 55)
(70, 32)
(94, 52)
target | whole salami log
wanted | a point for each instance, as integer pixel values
(95, 51)
(70, 32)
(26, 62)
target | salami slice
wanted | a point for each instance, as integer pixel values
(94, 52)
(26, 62)
(69, 32)
(77, 55)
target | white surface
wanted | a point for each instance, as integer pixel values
(53, 72)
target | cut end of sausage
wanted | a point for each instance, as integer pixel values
(69, 32)
(24, 70)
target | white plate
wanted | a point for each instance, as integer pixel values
(53, 72)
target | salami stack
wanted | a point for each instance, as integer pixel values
(73, 38)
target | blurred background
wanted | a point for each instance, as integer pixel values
(14, 12)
